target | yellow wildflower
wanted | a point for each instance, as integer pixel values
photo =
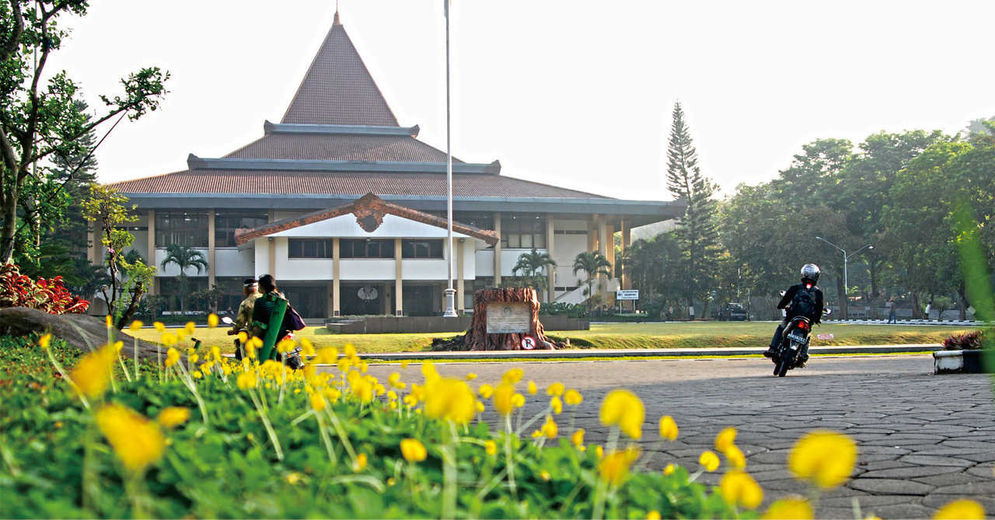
(653, 515)
(512, 376)
(196, 374)
(536, 434)
(168, 338)
(172, 357)
(136, 325)
(790, 508)
(360, 463)
(549, 428)
(243, 337)
(623, 408)
(725, 439)
(137, 441)
(393, 379)
(190, 328)
(518, 400)
(173, 416)
(450, 399)
(93, 373)
(212, 320)
(285, 345)
(557, 405)
(293, 478)
(247, 380)
(45, 340)
(572, 397)
(555, 389)
(194, 358)
(599, 450)
(479, 405)
(318, 401)
(503, 395)
(159, 327)
(738, 488)
(350, 350)
(614, 467)
(735, 457)
(532, 388)
(824, 458)
(108, 321)
(490, 447)
(413, 450)
(670, 469)
(485, 391)
(709, 460)
(307, 347)
(471, 376)
(964, 509)
(545, 475)
(668, 428)
(577, 439)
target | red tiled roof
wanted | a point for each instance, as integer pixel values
(340, 147)
(369, 211)
(343, 183)
(338, 89)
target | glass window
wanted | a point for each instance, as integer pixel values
(523, 231)
(421, 249)
(366, 248)
(226, 223)
(309, 248)
(185, 228)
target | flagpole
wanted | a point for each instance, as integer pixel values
(450, 292)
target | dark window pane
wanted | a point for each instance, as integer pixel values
(185, 228)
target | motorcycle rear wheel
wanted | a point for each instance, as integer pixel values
(782, 368)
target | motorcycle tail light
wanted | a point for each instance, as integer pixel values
(802, 325)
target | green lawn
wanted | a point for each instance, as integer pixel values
(621, 336)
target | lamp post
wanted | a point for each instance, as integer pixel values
(846, 258)
(450, 292)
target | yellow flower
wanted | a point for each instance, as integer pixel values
(360, 463)
(45, 340)
(964, 509)
(738, 488)
(557, 405)
(93, 373)
(485, 391)
(293, 478)
(790, 508)
(735, 457)
(318, 401)
(136, 325)
(194, 358)
(532, 388)
(159, 327)
(169, 339)
(670, 469)
(490, 447)
(614, 467)
(512, 376)
(393, 379)
(471, 376)
(503, 401)
(536, 434)
(479, 405)
(572, 397)
(824, 458)
(307, 347)
(196, 374)
(190, 328)
(725, 439)
(625, 409)
(350, 350)
(108, 321)
(555, 389)
(181, 335)
(450, 399)
(173, 416)
(577, 439)
(247, 380)
(668, 428)
(709, 460)
(518, 400)
(172, 357)
(212, 320)
(549, 428)
(137, 441)
(653, 515)
(599, 450)
(545, 475)
(243, 337)
(413, 450)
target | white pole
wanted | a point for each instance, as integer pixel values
(450, 292)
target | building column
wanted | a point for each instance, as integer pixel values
(624, 229)
(460, 284)
(497, 250)
(336, 279)
(398, 281)
(603, 249)
(592, 234)
(154, 286)
(271, 243)
(550, 270)
(212, 272)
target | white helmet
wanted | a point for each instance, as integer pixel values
(811, 272)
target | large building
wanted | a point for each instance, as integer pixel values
(346, 209)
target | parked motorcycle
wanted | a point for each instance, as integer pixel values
(794, 341)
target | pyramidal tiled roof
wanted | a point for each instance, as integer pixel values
(338, 89)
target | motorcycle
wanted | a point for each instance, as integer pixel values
(794, 342)
(293, 358)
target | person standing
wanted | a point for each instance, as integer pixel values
(891, 310)
(266, 305)
(243, 320)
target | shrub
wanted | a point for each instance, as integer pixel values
(968, 341)
(51, 296)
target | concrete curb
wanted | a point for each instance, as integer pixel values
(642, 353)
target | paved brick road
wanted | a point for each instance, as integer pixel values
(923, 439)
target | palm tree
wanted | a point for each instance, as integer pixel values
(184, 257)
(534, 266)
(593, 264)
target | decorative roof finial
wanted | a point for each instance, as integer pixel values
(337, 21)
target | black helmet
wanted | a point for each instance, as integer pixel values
(811, 272)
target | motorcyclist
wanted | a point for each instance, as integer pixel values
(807, 289)
(243, 320)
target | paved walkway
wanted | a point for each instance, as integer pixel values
(923, 439)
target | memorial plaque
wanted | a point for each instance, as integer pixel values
(508, 318)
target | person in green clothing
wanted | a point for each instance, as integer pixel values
(262, 315)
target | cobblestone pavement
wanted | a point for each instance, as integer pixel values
(923, 439)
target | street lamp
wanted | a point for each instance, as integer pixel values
(450, 311)
(846, 258)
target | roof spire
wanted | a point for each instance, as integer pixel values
(337, 21)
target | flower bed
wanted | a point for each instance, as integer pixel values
(100, 435)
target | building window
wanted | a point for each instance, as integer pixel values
(185, 228)
(226, 223)
(525, 232)
(366, 248)
(309, 248)
(421, 249)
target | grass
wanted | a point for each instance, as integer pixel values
(620, 336)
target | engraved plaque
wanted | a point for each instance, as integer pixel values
(506, 318)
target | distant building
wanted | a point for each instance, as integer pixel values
(346, 209)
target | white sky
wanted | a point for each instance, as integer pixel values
(573, 93)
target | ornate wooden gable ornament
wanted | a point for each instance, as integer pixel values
(369, 212)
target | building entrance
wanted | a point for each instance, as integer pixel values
(362, 299)
(311, 302)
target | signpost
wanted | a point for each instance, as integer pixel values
(627, 294)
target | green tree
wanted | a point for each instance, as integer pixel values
(533, 266)
(655, 269)
(593, 264)
(41, 119)
(185, 258)
(697, 229)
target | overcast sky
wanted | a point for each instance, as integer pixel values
(573, 93)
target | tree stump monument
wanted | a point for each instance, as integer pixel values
(506, 319)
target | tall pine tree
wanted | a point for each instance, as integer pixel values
(697, 230)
